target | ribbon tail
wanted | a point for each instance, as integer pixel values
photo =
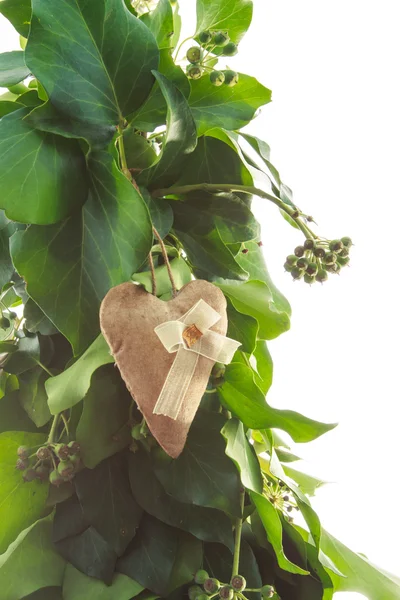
(176, 384)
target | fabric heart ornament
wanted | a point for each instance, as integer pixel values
(165, 352)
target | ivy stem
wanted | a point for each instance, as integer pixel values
(53, 430)
(238, 535)
(45, 368)
(230, 187)
(121, 148)
(180, 46)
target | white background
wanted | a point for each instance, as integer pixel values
(334, 130)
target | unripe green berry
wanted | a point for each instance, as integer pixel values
(299, 251)
(202, 597)
(55, 478)
(66, 468)
(211, 585)
(296, 273)
(194, 54)
(230, 49)
(335, 245)
(319, 252)
(267, 591)
(330, 258)
(23, 452)
(44, 453)
(4, 323)
(309, 244)
(321, 276)
(344, 252)
(287, 266)
(220, 38)
(42, 473)
(194, 592)
(74, 448)
(62, 451)
(238, 583)
(29, 475)
(217, 78)
(22, 464)
(136, 432)
(347, 242)
(231, 78)
(309, 278)
(201, 576)
(194, 71)
(205, 37)
(226, 592)
(291, 259)
(335, 268)
(312, 268)
(302, 263)
(12, 315)
(343, 260)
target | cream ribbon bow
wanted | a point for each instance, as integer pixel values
(190, 337)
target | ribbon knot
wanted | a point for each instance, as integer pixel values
(190, 337)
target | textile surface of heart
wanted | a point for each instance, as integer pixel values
(130, 318)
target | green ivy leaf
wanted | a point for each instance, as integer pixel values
(47, 593)
(12, 68)
(151, 556)
(359, 574)
(242, 453)
(262, 365)
(307, 483)
(202, 474)
(107, 502)
(42, 565)
(36, 321)
(68, 260)
(102, 71)
(33, 397)
(25, 357)
(6, 267)
(18, 12)
(232, 16)
(81, 544)
(206, 524)
(188, 560)
(180, 271)
(77, 586)
(7, 107)
(103, 427)
(242, 328)
(227, 107)
(273, 528)
(160, 21)
(43, 177)
(161, 213)
(180, 138)
(153, 112)
(20, 503)
(76, 379)
(243, 397)
(139, 152)
(12, 416)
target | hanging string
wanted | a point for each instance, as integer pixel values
(166, 260)
(153, 275)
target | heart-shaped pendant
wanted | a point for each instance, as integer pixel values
(128, 317)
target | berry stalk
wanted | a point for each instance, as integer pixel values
(238, 536)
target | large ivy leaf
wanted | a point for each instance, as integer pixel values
(69, 267)
(151, 556)
(42, 565)
(47, 593)
(188, 560)
(180, 138)
(239, 449)
(80, 544)
(227, 107)
(359, 574)
(263, 367)
(78, 586)
(21, 504)
(242, 328)
(69, 387)
(6, 267)
(18, 12)
(202, 474)
(273, 527)
(36, 321)
(12, 68)
(139, 151)
(42, 176)
(7, 107)
(103, 427)
(153, 112)
(160, 212)
(206, 524)
(107, 501)
(243, 397)
(94, 59)
(160, 21)
(232, 16)
(32, 395)
(12, 416)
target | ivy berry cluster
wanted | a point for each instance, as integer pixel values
(198, 58)
(56, 463)
(211, 588)
(316, 258)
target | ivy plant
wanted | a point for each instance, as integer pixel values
(123, 158)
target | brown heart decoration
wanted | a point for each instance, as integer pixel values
(128, 316)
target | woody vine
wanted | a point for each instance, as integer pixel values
(124, 157)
